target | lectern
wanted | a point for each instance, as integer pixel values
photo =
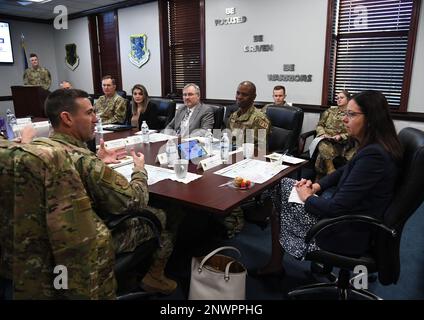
(29, 101)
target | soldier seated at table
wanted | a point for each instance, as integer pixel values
(111, 107)
(73, 119)
(246, 118)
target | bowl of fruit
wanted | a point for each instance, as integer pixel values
(241, 183)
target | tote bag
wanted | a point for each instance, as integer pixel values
(217, 277)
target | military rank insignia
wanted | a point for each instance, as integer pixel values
(139, 53)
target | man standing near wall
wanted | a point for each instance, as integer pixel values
(37, 75)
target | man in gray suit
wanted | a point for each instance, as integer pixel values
(194, 115)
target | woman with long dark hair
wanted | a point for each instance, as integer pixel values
(142, 109)
(364, 186)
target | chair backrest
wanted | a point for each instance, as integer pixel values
(286, 125)
(128, 114)
(228, 110)
(122, 93)
(409, 196)
(218, 116)
(166, 110)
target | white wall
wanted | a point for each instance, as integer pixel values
(295, 28)
(39, 40)
(137, 20)
(77, 32)
(416, 93)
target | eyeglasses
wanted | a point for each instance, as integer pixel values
(351, 114)
(188, 94)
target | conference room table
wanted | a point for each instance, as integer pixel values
(205, 193)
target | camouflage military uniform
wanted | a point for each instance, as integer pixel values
(331, 123)
(111, 194)
(265, 107)
(252, 119)
(46, 220)
(111, 110)
(38, 77)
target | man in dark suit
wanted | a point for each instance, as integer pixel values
(194, 115)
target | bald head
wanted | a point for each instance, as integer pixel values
(246, 94)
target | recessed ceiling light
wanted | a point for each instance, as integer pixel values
(39, 1)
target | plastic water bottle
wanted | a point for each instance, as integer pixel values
(225, 147)
(99, 129)
(171, 152)
(10, 123)
(145, 132)
(209, 142)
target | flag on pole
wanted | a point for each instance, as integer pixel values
(23, 51)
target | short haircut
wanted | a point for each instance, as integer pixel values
(109, 77)
(280, 87)
(195, 86)
(32, 55)
(62, 100)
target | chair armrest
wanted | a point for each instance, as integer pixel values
(303, 137)
(327, 223)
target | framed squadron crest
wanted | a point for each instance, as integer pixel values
(139, 53)
(71, 59)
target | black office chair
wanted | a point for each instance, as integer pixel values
(218, 116)
(166, 110)
(128, 114)
(228, 110)
(122, 93)
(383, 256)
(131, 267)
(286, 125)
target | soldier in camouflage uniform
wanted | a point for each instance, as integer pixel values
(46, 220)
(111, 107)
(336, 142)
(73, 119)
(36, 75)
(246, 117)
(279, 96)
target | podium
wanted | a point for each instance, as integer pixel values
(28, 101)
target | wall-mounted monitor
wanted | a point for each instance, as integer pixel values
(6, 53)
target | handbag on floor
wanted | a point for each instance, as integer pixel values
(217, 277)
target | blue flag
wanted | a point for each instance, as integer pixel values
(24, 52)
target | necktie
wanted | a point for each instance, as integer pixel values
(185, 123)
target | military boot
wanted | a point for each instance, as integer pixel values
(329, 165)
(155, 280)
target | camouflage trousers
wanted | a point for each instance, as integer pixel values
(329, 150)
(234, 222)
(134, 232)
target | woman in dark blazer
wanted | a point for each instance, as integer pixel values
(364, 186)
(142, 109)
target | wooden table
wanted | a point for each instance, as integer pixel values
(203, 193)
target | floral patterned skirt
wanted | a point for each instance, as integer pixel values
(295, 222)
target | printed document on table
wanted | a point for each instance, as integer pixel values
(254, 170)
(157, 136)
(314, 145)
